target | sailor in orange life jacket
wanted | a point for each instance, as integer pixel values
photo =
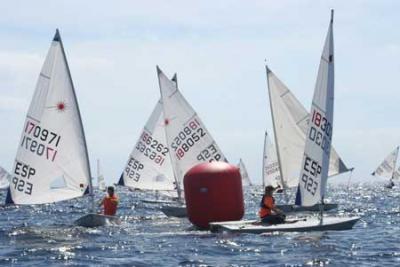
(268, 212)
(110, 202)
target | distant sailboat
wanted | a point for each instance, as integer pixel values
(315, 164)
(52, 162)
(245, 175)
(188, 140)
(101, 183)
(387, 168)
(5, 179)
(271, 173)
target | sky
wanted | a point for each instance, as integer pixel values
(219, 50)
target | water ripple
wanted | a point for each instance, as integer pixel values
(32, 235)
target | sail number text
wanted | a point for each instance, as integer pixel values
(133, 168)
(320, 131)
(187, 138)
(311, 170)
(209, 154)
(40, 141)
(152, 148)
(272, 168)
(23, 173)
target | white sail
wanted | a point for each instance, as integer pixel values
(101, 183)
(189, 141)
(271, 172)
(52, 150)
(245, 175)
(396, 175)
(149, 164)
(388, 166)
(5, 178)
(290, 120)
(314, 171)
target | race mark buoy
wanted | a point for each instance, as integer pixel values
(213, 193)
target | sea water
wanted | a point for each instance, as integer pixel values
(45, 235)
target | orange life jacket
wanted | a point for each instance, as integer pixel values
(266, 206)
(110, 205)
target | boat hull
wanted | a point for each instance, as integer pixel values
(157, 201)
(305, 225)
(287, 208)
(174, 211)
(96, 220)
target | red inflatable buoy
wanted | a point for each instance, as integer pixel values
(213, 193)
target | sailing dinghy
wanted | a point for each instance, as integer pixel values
(271, 174)
(290, 121)
(301, 225)
(245, 175)
(188, 140)
(316, 156)
(101, 183)
(5, 179)
(149, 166)
(387, 168)
(52, 161)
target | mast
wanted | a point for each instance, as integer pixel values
(57, 38)
(177, 184)
(276, 139)
(98, 172)
(321, 206)
(263, 163)
(101, 185)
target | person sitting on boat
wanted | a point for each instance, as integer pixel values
(390, 185)
(110, 202)
(268, 212)
(279, 189)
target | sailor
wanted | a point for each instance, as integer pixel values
(278, 189)
(110, 202)
(268, 212)
(390, 185)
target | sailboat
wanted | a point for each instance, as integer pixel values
(387, 168)
(5, 179)
(245, 175)
(101, 184)
(271, 173)
(290, 121)
(188, 140)
(315, 162)
(52, 162)
(149, 165)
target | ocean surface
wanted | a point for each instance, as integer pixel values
(45, 235)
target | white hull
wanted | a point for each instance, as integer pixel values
(96, 220)
(174, 211)
(306, 225)
(157, 201)
(287, 208)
